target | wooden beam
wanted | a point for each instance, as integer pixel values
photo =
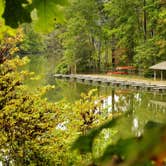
(154, 74)
(161, 75)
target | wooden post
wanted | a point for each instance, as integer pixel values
(161, 75)
(154, 74)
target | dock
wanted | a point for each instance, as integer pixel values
(109, 81)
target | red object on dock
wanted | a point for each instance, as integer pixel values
(116, 72)
(122, 70)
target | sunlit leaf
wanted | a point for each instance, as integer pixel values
(48, 12)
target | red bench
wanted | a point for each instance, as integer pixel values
(122, 70)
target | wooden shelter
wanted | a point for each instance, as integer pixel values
(159, 67)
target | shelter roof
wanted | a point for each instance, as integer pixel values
(159, 66)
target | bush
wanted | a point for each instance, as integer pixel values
(27, 124)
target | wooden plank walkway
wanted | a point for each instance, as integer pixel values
(112, 81)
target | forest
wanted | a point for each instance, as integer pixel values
(49, 122)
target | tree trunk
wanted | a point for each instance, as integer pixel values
(106, 56)
(153, 29)
(99, 57)
(145, 20)
(73, 69)
(92, 43)
(131, 45)
(113, 59)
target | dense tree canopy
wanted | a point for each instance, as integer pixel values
(96, 35)
(99, 35)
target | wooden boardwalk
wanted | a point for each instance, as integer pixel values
(112, 81)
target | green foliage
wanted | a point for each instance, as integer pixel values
(62, 68)
(107, 33)
(33, 129)
(4, 29)
(33, 42)
(16, 13)
(149, 53)
(9, 45)
(93, 39)
(27, 121)
(146, 55)
(147, 148)
(87, 140)
(44, 12)
(78, 35)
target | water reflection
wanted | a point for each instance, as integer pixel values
(141, 106)
(116, 100)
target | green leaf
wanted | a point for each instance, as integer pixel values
(16, 12)
(1, 7)
(128, 151)
(21, 11)
(84, 143)
(48, 12)
(120, 149)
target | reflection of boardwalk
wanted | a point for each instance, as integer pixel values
(158, 103)
(112, 81)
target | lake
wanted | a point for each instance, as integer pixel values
(144, 106)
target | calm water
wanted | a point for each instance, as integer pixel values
(144, 106)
